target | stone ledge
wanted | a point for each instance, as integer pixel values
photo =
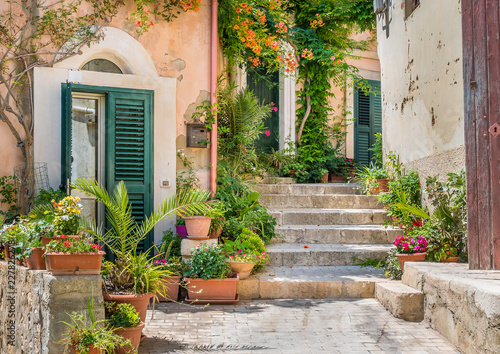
(40, 301)
(461, 304)
(401, 300)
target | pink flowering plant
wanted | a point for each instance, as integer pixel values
(248, 248)
(411, 244)
(64, 244)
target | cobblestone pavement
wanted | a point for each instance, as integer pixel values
(287, 326)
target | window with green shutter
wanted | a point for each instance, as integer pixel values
(367, 121)
(125, 140)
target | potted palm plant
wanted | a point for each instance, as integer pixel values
(208, 275)
(133, 277)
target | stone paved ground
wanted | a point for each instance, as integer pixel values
(287, 326)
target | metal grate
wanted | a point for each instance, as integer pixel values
(31, 178)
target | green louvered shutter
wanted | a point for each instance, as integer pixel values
(368, 121)
(129, 150)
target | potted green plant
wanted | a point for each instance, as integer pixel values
(411, 248)
(374, 179)
(174, 264)
(198, 224)
(208, 275)
(86, 335)
(69, 256)
(126, 322)
(133, 277)
(245, 253)
(216, 212)
(336, 173)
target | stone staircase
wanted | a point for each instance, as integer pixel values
(322, 228)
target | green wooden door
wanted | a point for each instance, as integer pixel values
(267, 91)
(368, 121)
(128, 144)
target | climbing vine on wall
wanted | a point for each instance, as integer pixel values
(314, 37)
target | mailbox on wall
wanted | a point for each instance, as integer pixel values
(196, 135)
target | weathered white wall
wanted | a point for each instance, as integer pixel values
(422, 86)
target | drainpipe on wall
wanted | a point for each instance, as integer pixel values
(213, 87)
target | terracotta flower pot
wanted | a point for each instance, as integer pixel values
(181, 231)
(92, 350)
(241, 268)
(46, 240)
(171, 290)
(324, 178)
(352, 171)
(8, 251)
(132, 333)
(36, 261)
(74, 263)
(198, 226)
(216, 234)
(140, 302)
(450, 260)
(336, 178)
(212, 289)
(410, 257)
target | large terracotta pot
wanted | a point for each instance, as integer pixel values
(46, 240)
(140, 302)
(241, 268)
(198, 226)
(74, 263)
(212, 289)
(36, 261)
(132, 333)
(92, 350)
(171, 290)
(410, 257)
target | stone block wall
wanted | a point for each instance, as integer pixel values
(461, 304)
(33, 303)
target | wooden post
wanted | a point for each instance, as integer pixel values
(481, 56)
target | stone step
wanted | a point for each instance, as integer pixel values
(311, 283)
(401, 300)
(329, 216)
(320, 201)
(307, 189)
(288, 254)
(340, 234)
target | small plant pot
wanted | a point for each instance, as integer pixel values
(36, 261)
(450, 260)
(140, 302)
(8, 252)
(324, 178)
(241, 268)
(198, 226)
(92, 350)
(212, 289)
(132, 333)
(74, 263)
(410, 257)
(216, 234)
(46, 240)
(181, 231)
(171, 285)
(336, 178)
